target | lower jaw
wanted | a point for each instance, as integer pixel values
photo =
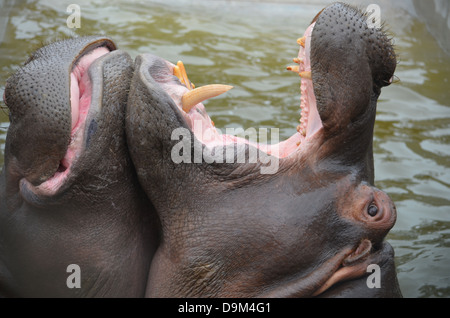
(56, 183)
(212, 137)
(201, 126)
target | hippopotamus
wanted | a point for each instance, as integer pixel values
(313, 224)
(74, 221)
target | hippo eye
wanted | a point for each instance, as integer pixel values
(372, 210)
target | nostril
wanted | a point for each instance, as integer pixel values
(372, 210)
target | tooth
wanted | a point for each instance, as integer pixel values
(177, 73)
(297, 60)
(293, 68)
(198, 95)
(180, 72)
(301, 41)
(305, 75)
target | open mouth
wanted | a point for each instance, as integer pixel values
(80, 102)
(189, 101)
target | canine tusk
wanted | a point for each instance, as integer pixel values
(177, 73)
(180, 72)
(198, 95)
(306, 75)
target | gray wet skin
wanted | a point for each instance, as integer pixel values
(98, 218)
(229, 230)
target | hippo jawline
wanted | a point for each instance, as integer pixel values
(81, 92)
(178, 86)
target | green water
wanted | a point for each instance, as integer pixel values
(249, 46)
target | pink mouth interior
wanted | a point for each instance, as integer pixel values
(205, 131)
(80, 101)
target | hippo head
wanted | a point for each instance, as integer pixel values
(232, 225)
(68, 190)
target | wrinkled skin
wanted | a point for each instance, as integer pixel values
(68, 190)
(313, 227)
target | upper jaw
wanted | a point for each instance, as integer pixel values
(86, 103)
